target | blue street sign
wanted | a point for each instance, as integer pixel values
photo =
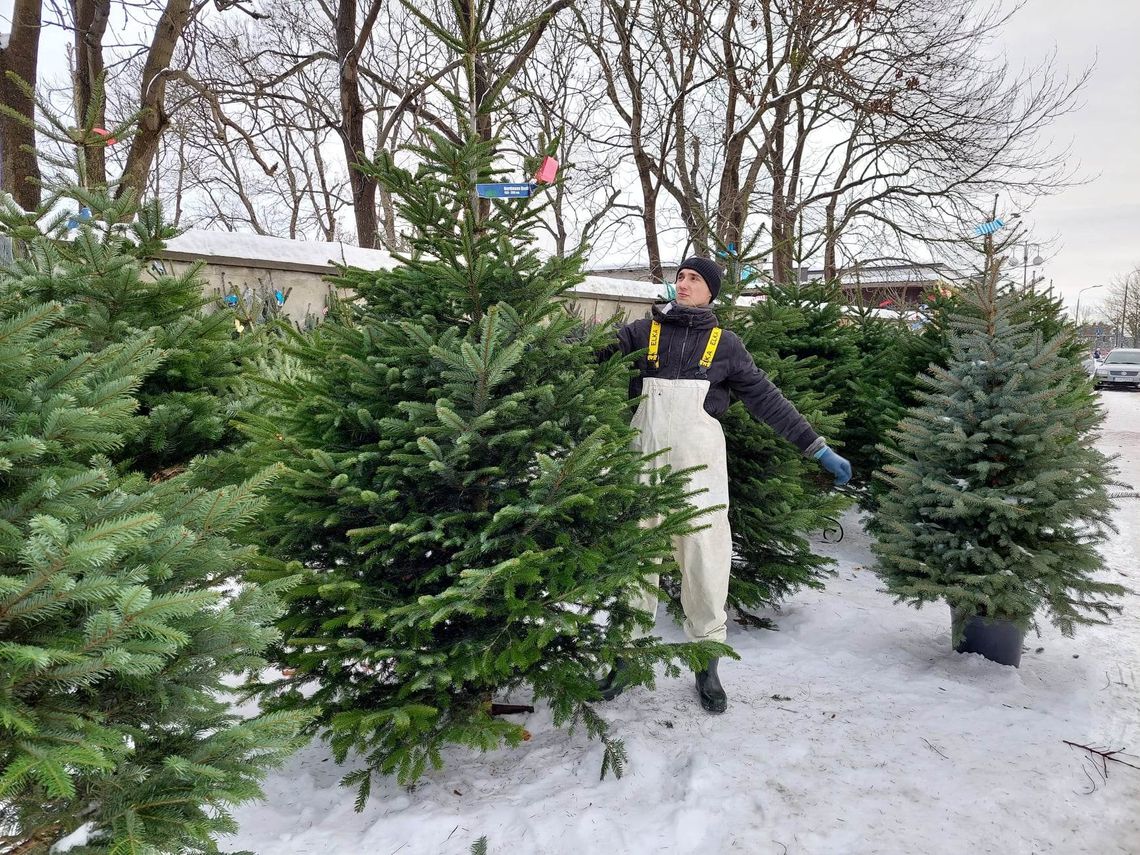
(504, 191)
(1098, 332)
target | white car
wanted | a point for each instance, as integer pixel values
(1120, 368)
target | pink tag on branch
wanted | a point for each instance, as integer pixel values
(546, 171)
(105, 134)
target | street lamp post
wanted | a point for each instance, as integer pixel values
(1078, 319)
(1087, 288)
(1037, 262)
(1124, 315)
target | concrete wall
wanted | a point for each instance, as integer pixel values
(307, 292)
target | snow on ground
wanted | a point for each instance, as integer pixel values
(853, 729)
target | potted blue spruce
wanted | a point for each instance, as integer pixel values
(996, 497)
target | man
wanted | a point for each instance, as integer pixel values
(686, 376)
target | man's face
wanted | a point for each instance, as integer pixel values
(692, 290)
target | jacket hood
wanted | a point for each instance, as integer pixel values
(696, 317)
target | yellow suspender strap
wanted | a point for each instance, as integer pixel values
(710, 348)
(654, 358)
(654, 343)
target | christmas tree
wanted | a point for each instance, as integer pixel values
(997, 498)
(103, 270)
(462, 496)
(777, 494)
(116, 640)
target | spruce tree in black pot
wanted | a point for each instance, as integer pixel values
(996, 497)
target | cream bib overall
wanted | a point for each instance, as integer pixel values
(672, 416)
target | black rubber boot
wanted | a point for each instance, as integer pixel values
(713, 698)
(615, 682)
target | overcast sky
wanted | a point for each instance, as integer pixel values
(1095, 228)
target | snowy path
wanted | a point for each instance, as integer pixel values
(854, 729)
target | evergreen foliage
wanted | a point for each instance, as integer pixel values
(105, 274)
(997, 498)
(461, 496)
(115, 637)
(777, 494)
(891, 360)
(873, 394)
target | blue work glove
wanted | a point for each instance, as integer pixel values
(836, 465)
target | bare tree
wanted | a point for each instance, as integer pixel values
(261, 102)
(853, 127)
(1120, 305)
(388, 72)
(845, 129)
(119, 80)
(715, 100)
(934, 126)
(154, 116)
(648, 53)
(558, 100)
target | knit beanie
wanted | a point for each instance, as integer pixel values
(707, 270)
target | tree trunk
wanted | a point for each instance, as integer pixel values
(830, 239)
(19, 165)
(649, 218)
(154, 120)
(782, 229)
(352, 125)
(729, 198)
(90, 17)
(691, 209)
(389, 219)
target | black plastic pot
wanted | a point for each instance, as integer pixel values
(997, 639)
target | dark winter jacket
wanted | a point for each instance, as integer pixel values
(684, 335)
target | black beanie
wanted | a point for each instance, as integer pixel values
(708, 270)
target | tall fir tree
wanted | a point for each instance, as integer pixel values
(103, 269)
(777, 495)
(116, 642)
(996, 497)
(462, 494)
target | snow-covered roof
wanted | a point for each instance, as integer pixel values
(246, 249)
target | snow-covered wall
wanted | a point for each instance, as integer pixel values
(264, 264)
(269, 252)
